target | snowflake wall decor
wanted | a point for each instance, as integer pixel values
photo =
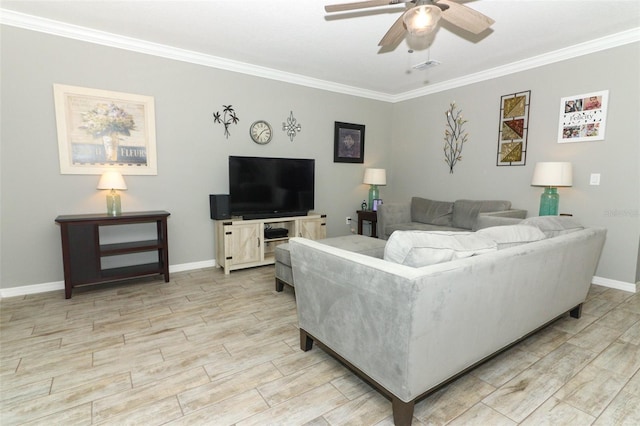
(291, 127)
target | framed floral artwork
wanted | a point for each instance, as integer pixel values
(348, 145)
(513, 129)
(100, 129)
(583, 117)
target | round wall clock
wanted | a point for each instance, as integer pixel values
(260, 132)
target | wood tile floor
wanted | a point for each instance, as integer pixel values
(222, 350)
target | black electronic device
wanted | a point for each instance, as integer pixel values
(262, 187)
(271, 233)
(219, 206)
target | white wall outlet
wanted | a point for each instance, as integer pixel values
(348, 220)
(594, 179)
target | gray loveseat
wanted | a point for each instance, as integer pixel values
(429, 215)
(409, 330)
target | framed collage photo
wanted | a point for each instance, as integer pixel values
(583, 117)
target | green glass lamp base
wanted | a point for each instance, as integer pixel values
(374, 194)
(113, 204)
(549, 201)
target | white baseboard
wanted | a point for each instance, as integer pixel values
(59, 285)
(191, 266)
(31, 289)
(618, 285)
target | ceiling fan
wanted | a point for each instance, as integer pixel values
(421, 17)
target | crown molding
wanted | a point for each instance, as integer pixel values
(48, 26)
(592, 46)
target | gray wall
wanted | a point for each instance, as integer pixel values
(418, 167)
(405, 138)
(192, 150)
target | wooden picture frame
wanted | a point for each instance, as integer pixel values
(101, 129)
(348, 144)
(583, 118)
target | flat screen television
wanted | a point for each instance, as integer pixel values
(262, 187)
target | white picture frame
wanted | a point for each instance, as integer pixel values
(101, 129)
(583, 118)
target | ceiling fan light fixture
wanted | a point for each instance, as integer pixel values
(421, 20)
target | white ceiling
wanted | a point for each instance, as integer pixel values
(295, 40)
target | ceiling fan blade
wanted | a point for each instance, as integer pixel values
(395, 33)
(465, 17)
(361, 5)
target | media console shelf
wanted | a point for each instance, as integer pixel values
(242, 243)
(82, 252)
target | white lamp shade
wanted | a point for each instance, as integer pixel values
(552, 174)
(112, 180)
(375, 176)
(421, 20)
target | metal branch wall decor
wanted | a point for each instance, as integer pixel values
(514, 129)
(454, 136)
(228, 117)
(291, 127)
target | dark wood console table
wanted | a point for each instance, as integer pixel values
(82, 251)
(370, 216)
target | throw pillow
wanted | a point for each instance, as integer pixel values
(553, 226)
(465, 212)
(432, 212)
(512, 235)
(422, 248)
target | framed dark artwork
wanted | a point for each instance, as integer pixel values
(513, 130)
(348, 143)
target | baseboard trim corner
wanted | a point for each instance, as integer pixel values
(618, 285)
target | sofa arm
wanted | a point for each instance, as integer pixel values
(500, 218)
(392, 214)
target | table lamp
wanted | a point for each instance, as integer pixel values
(551, 175)
(112, 180)
(374, 177)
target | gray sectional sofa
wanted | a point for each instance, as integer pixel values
(409, 330)
(429, 215)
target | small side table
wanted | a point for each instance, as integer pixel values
(369, 216)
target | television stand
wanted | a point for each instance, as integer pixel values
(242, 243)
(252, 216)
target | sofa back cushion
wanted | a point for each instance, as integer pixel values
(512, 235)
(422, 248)
(553, 226)
(465, 212)
(432, 212)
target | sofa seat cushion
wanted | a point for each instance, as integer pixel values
(465, 212)
(512, 235)
(417, 226)
(552, 226)
(356, 243)
(432, 212)
(423, 248)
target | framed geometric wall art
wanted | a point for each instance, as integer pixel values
(100, 129)
(583, 118)
(514, 129)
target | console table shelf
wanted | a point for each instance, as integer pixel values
(82, 252)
